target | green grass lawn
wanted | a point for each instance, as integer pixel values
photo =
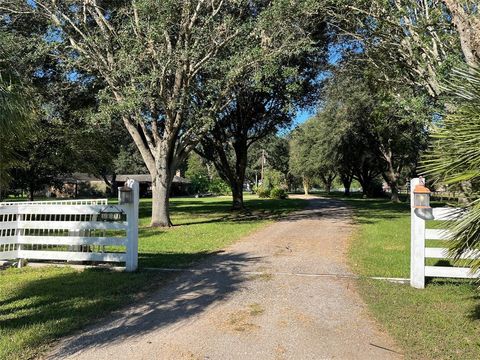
(38, 306)
(440, 322)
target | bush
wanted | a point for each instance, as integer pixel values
(199, 184)
(87, 190)
(218, 186)
(263, 192)
(273, 178)
(278, 193)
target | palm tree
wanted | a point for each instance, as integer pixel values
(455, 158)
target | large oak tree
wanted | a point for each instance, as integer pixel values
(169, 66)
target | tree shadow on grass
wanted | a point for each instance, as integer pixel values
(221, 210)
(71, 300)
(295, 211)
(172, 260)
(371, 211)
(475, 313)
(44, 304)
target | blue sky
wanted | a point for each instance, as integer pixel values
(302, 116)
(334, 56)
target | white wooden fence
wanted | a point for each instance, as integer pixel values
(420, 252)
(71, 230)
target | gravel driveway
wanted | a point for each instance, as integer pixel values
(269, 296)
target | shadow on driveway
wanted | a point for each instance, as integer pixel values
(184, 298)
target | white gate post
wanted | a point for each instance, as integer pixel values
(131, 263)
(417, 249)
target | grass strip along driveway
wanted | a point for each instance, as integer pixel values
(38, 306)
(440, 322)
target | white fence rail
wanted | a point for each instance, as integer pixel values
(60, 202)
(420, 252)
(71, 230)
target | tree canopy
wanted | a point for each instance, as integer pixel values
(169, 67)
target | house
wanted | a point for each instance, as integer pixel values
(86, 185)
(180, 185)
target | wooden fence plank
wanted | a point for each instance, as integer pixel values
(59, 202)
(71, 256)
(437, 234)
(72, 225)
(60, 210)
(5, 240)
(451, 272)
(8, 255)
(71, 240)
(442, 253)
(436, 253)
(446, 213)
(8, 225)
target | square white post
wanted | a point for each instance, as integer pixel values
(417, 246)
(131, 263)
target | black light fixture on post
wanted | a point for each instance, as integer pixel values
(111, 213)
(126, 195)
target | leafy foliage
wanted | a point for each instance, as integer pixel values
(411, 42)
(278, 193)
(373, 129)
(167, 68)
(308, 156)
(455, 158)
(16, 111)
(263, 192)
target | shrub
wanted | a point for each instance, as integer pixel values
(278, 193)
(263, 192)
(218, 186)
(199, 184)
(273, 178)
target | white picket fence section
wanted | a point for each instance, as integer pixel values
(419, 252)
(70, 230)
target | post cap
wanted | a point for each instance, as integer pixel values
(421, 189)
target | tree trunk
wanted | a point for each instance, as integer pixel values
(347, 183)
(161, 186)
(327, 182)
(237, 195)
(468, 28)
(394, 196)
(306, 185)
(30, 193)
(366, 184)
(238, 173)
(111, 189)
(328, 188)
(391, 178)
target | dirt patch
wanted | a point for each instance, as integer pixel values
(280, 352)
(262, 277)
(242, 320)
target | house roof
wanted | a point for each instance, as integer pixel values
(84, 177)
(138, 177)
(148, 178)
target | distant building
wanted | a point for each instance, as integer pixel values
(82, 184)
(180, 185)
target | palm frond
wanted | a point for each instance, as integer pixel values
(455, 159)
